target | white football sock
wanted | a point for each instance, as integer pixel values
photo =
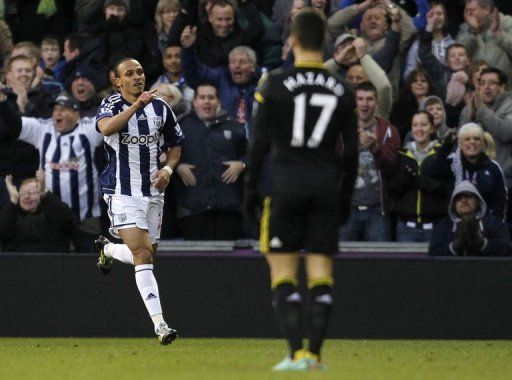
(120, 252)
(148, 288)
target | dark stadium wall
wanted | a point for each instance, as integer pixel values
(227, 295)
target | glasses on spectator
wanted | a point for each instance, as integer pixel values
(490, 83)
(29, 193)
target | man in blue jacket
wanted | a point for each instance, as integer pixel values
(213, 158)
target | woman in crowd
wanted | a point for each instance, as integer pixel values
(166, 12)
(470, 162)
(417, 86)
(420, 201)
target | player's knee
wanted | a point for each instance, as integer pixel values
(285, 291)
(143, 255)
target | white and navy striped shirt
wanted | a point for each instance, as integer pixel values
(132, 153)
(68, 162)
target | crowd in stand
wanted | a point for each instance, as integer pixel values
(430, 81)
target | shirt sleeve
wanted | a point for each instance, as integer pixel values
(109, 107)
(32, 130)
(172, 133)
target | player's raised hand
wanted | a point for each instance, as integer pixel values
(234, 169)
(186, 174)
(188, 36)
(146, 97)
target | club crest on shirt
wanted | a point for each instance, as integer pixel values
(122, 217)
(158, 121)
(228, 135)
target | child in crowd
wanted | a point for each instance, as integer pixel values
(51, 57)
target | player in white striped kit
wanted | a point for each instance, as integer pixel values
(137, 127)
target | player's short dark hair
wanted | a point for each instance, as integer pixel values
(308, 27)
(367, 86)
(206, 84)
(116, 66)
(502, 77)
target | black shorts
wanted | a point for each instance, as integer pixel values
(293, 222)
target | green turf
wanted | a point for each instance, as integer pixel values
(211, 359)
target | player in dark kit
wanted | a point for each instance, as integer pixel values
(305, 118)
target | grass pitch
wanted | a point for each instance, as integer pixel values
(212, 359)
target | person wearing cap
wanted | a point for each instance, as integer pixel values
(83, 85)
(387, 42)
(351, 55)
(66, 145)
(469, 230)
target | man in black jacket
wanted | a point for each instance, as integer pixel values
(213, 157)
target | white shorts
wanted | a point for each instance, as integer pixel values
(126, 211)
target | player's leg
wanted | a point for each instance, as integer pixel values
(281, 229)
(319, 270)
(321, 243)
(139, 243)
(287, 302)
(122, 212)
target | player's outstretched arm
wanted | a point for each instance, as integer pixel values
(110, 125)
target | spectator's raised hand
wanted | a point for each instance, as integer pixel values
(42, 183)
(188, 36)
(431, 19)
(360, 47)
(14, 196)
(186, 175)
(234, 169)
(495, 22)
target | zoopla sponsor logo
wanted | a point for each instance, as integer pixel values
(141, 139)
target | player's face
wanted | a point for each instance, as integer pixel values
(356, 75)
(436, 110)
(131, 78)
(82, 89)
(21, 73)
(465, 204)
(30, 196)
(490, 87)
(421, 129)
(206, 102)
(457, 59)
(171, 60)
(471, 145)
(240, 67)
(64, 118)
(366, 105)
(50, 54)
(222, 20)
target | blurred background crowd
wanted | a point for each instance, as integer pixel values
(431, 84)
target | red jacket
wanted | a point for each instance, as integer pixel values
(386, 158)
